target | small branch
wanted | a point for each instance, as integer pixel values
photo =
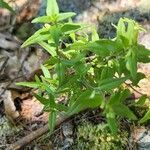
(4, 64)
(136, 90)
(35, 134)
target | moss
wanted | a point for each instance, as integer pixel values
(98, 137)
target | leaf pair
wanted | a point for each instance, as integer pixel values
(115, 107)
(88, 99)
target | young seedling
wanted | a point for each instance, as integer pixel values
(85, 68)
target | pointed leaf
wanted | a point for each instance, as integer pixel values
(143, 54)
(112, 123)
(42, 100)
(55, 34)
(141, 100)
(67, 27)
(42, 19)
(64, 16)
(52, 8)
(124, 111)
(40, 35)
(48, 48)
(132, 63)
(111, 83)
(95, 35)
(145, 118)
(86, 100)
(102, 47)
(45, 72)
(29, 84)
(124, 95)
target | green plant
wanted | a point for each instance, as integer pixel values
(90, 72)
(98, 137)
(3, 4)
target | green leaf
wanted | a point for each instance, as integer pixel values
(123, 111)
(60, 73)
(143, 54)
(132, 63)
(29, 84)
(145, 118)
(128, 30)
(121, 28)
(51, 50)
(77, 46)
(49, 88)
(141, 100)
(118, 97)
(67, 27)
(139, 77)
(37, 79)
(38, 36)
(61, 107)
(64, 16)
(111, 83)
(114, 99)
(52, 8)
(42, 19)
(42, 100)
(52, 121)
(55, 34)
(45, 72)
(107, 72)
(95, 35)
(124, 95)
(102, 47)
(3, 4)
(112, 123)
(87, 99)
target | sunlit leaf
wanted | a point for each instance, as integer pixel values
(63, 16)
(42, 19)
(45, 72)
(132, 63)
(38, 36)
(51, 50)
(52, 8)
(141, 100)
(95, 35)
(145, 118)
(29, 84)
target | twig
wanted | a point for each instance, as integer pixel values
(4, 64)
(35, 134)
(136, 90)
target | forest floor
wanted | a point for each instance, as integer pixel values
(17, 64)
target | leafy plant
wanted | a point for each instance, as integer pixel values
(89, 71)
(3, 4)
